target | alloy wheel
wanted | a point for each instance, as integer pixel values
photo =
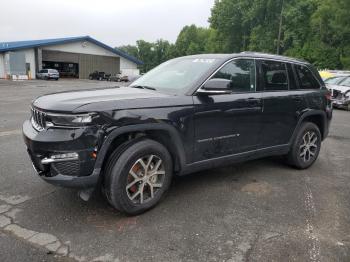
(309, 146)
(145, 179)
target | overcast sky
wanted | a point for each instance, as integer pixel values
(114, 22)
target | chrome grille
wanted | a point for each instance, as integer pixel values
(38, 119)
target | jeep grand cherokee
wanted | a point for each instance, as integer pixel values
(188, 114)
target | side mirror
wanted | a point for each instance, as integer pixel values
(216, 86)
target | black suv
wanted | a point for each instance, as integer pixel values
(188, 114)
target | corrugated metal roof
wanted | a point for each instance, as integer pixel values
(17, 45)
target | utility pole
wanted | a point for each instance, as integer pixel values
(280, 30)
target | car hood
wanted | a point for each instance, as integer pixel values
(342, 89)
(86, 100)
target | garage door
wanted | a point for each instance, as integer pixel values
(87, 63)
(91, 63)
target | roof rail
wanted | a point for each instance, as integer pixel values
(273, 55)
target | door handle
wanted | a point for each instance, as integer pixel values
(243, 110)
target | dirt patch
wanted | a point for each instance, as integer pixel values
(119, 224)
(257, 188)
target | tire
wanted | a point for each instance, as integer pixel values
(306, 146)
(125, 179)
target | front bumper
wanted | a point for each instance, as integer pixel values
(75, 173)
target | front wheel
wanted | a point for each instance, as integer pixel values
(306, 146)
(137, 178)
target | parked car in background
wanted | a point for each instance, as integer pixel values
(96, 75)
(124, 78)
(48, 74)
(188, 114)
(335, 80)
(340, 88)
(326, 74)
(115, 78)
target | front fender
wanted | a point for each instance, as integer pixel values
(176, 141)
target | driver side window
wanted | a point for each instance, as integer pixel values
(241, 73)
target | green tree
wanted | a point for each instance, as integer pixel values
(152, 54)
(192, 40)
(315, 30)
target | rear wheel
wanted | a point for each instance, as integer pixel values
(306, 146)
(137, 178)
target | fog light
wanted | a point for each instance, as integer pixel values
(65, 156)
(60, 158)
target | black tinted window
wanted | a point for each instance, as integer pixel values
(241, 73)
(274, 75)
(306, 78)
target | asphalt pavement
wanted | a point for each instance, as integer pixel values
(261, 210)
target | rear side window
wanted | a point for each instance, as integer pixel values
(274, 75)
(306, 78)
(241, 73)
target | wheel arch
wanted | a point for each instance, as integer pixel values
(160, 132)
(318, 117)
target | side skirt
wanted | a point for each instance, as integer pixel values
(235, 158)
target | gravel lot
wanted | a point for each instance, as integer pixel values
(256, 211)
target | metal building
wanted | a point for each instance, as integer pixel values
(74, 57)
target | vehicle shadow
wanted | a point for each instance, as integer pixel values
(185, 188)
(195, 194)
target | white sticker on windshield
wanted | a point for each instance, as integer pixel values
(203, 60)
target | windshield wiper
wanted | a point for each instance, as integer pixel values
(144, 87)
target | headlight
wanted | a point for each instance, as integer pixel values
(69, 120)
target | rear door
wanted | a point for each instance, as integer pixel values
(309, 87)
(280, 114)
(230, 123)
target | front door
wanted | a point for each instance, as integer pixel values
(227, 124)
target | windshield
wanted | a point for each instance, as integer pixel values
(175, 75)
(345, 82)
(334, 80)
